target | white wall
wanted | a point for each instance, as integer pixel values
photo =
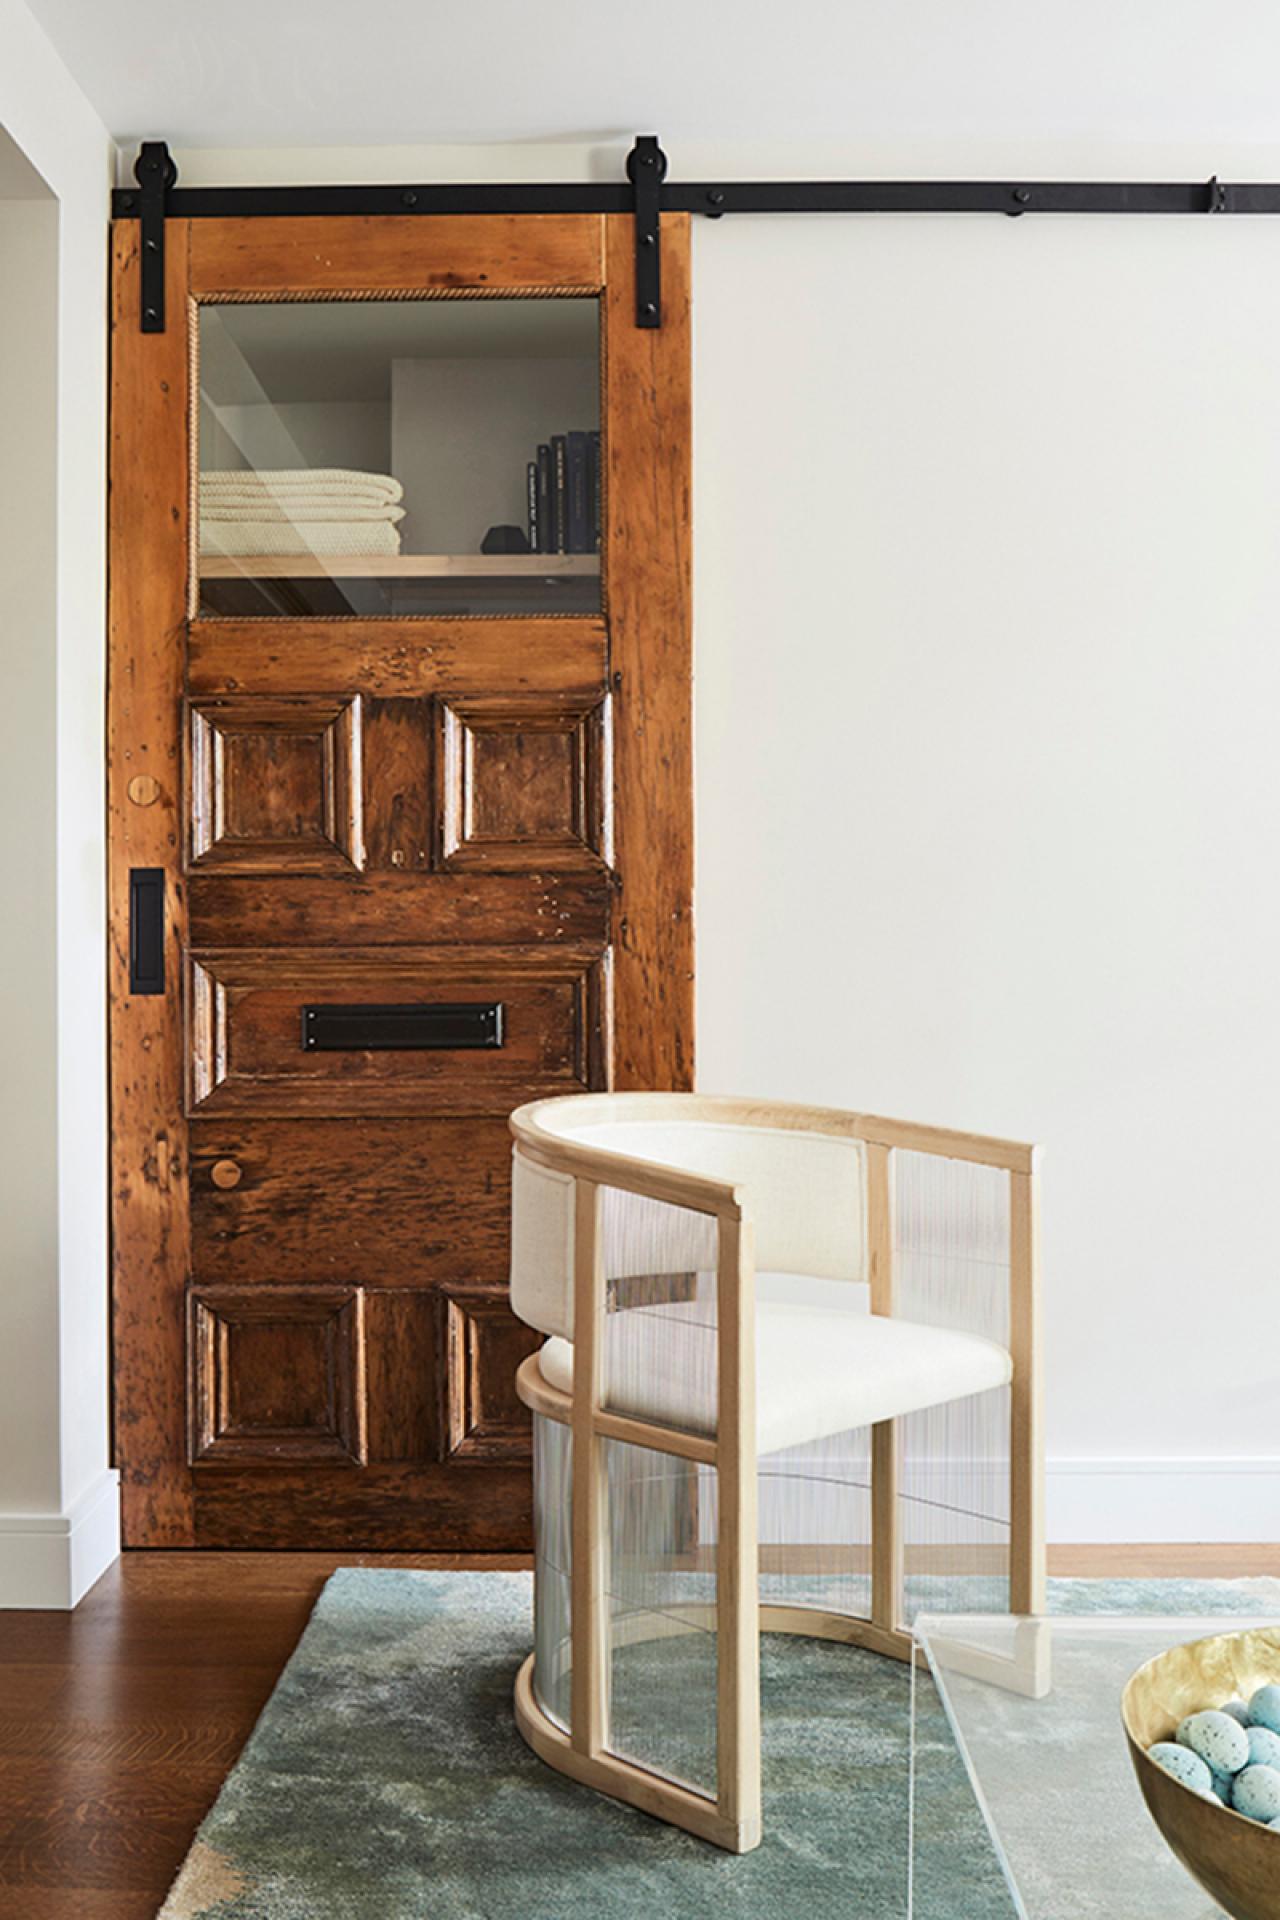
(987, 573)
(28, 839)
(57, 1495)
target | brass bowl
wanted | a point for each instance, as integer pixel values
(1234, 1859)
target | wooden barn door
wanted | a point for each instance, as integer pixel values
(400, 837)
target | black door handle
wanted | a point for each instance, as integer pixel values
(146, 929)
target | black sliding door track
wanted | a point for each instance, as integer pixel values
(648, 194)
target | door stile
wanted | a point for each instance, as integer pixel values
(648, 608)
(147, 577)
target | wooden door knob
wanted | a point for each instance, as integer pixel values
(144, 790)
(225, 1173)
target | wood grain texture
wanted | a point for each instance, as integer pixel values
(121, 1720)
(398, 658)
(524, 784)
(886, 1533)
(147, 604)
(320, 827)
(246, 1024)
(398, 784)
(277, 1374)
(389, 254)
(451, 909)
(1026, 1492)
(274, 784)
(589, 1625)
(384, 1507)
(485, 1345)
(430, 1200)
(737, 1556)
(648, 586)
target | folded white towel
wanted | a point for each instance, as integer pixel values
(280, 537)
(290, 482)
(317, 509)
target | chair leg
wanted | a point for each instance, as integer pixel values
(588, 1623)
(738, 1557)
(886, 1533)
(1026, 1437)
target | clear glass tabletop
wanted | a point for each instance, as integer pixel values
(1033, 1707)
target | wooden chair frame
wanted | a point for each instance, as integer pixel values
(732, 1820)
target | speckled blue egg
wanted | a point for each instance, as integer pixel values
(1184, 1765)
(1264, 1747)
(1264, 1708)
(1238, 1711)
(1219, 1740)
(1256, 1793)
(1222, 1786)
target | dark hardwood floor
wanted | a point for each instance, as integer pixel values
(118, 1722)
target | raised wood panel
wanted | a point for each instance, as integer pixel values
(483, 1419)
(523, 783)
(399, 908)
(277, 1375)
(275, 784)
(147, 573)
(398, 658)
(647, 573)
(441, 253)
(391, 1203)
(398, 784)
(247, 1054)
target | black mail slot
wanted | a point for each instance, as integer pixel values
(355, 1029)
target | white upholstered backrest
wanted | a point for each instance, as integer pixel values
(804, 1191)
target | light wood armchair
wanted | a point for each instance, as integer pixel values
(614, 1195)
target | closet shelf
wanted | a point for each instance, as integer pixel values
(398, 566)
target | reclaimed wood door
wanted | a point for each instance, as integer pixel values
(400, 837)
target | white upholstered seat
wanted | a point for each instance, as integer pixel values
(819, 1371)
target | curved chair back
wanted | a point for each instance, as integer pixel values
(800, 1174)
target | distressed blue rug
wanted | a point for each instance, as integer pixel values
(385, 1779)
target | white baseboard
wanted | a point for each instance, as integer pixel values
(1088, 1502)
(1099, 1502)
(50, 1560)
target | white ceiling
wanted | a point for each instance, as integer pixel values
(278, 73)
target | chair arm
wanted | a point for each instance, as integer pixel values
(948, 1143)
(696, 1191)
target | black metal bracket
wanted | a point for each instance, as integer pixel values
(647, 169)
(155, 173)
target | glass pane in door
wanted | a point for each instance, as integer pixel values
(388, 457)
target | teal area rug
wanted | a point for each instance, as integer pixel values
(385, 1779)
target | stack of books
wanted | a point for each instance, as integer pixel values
(564, 495)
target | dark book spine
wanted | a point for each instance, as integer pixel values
(546, 501)
(579, 518)
(595, 495)
(531, 497)
(560, 465)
